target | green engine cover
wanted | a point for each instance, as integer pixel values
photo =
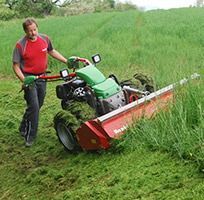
(103, 87)
(91, 75)
(106, 89)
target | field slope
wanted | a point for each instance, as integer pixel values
(166, 44)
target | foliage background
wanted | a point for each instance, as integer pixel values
(11, 9)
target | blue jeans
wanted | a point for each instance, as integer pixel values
(34, 98)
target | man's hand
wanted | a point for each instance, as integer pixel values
(18, 72)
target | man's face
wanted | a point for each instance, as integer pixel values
(32, 32)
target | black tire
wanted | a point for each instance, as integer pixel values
(81, 111)
(135, 85)
(130, 83)
(147, 82)
(65, 125)
(141, 82)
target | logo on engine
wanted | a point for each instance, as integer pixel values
(124, 127)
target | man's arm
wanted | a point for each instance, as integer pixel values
(55, 54)
(18, 72)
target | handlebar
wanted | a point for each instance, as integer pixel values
(30, 79)
(73, 62)
(54, 76)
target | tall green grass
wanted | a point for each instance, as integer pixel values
(166, 44)
(171, 43)
(178, 129)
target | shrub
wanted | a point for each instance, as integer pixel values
(6, 13)
(76, 9)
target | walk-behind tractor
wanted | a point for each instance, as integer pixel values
(97, 109)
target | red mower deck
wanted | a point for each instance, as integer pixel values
(96, 134)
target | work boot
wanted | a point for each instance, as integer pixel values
(29, 143)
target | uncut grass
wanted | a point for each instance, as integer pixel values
(115, 41)
(166, 44)
(179, 131)
(171, 43)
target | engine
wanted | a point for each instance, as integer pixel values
(77, 90)
(112, 103)
(72, 90)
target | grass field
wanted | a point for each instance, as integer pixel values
(158, 159)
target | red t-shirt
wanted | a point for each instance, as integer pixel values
(32, 56)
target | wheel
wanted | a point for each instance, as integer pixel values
(66, 136)
(136, 84)
(141, 82)
(65, 125)
(81, 111)
(66, 122)
(147, 82)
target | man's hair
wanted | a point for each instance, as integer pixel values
(28, 22)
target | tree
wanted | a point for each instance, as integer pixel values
(200, 3)
(36, 8)
(5, 12)
(43, 6)
(112, 3)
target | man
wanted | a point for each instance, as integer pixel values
(30, 58)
